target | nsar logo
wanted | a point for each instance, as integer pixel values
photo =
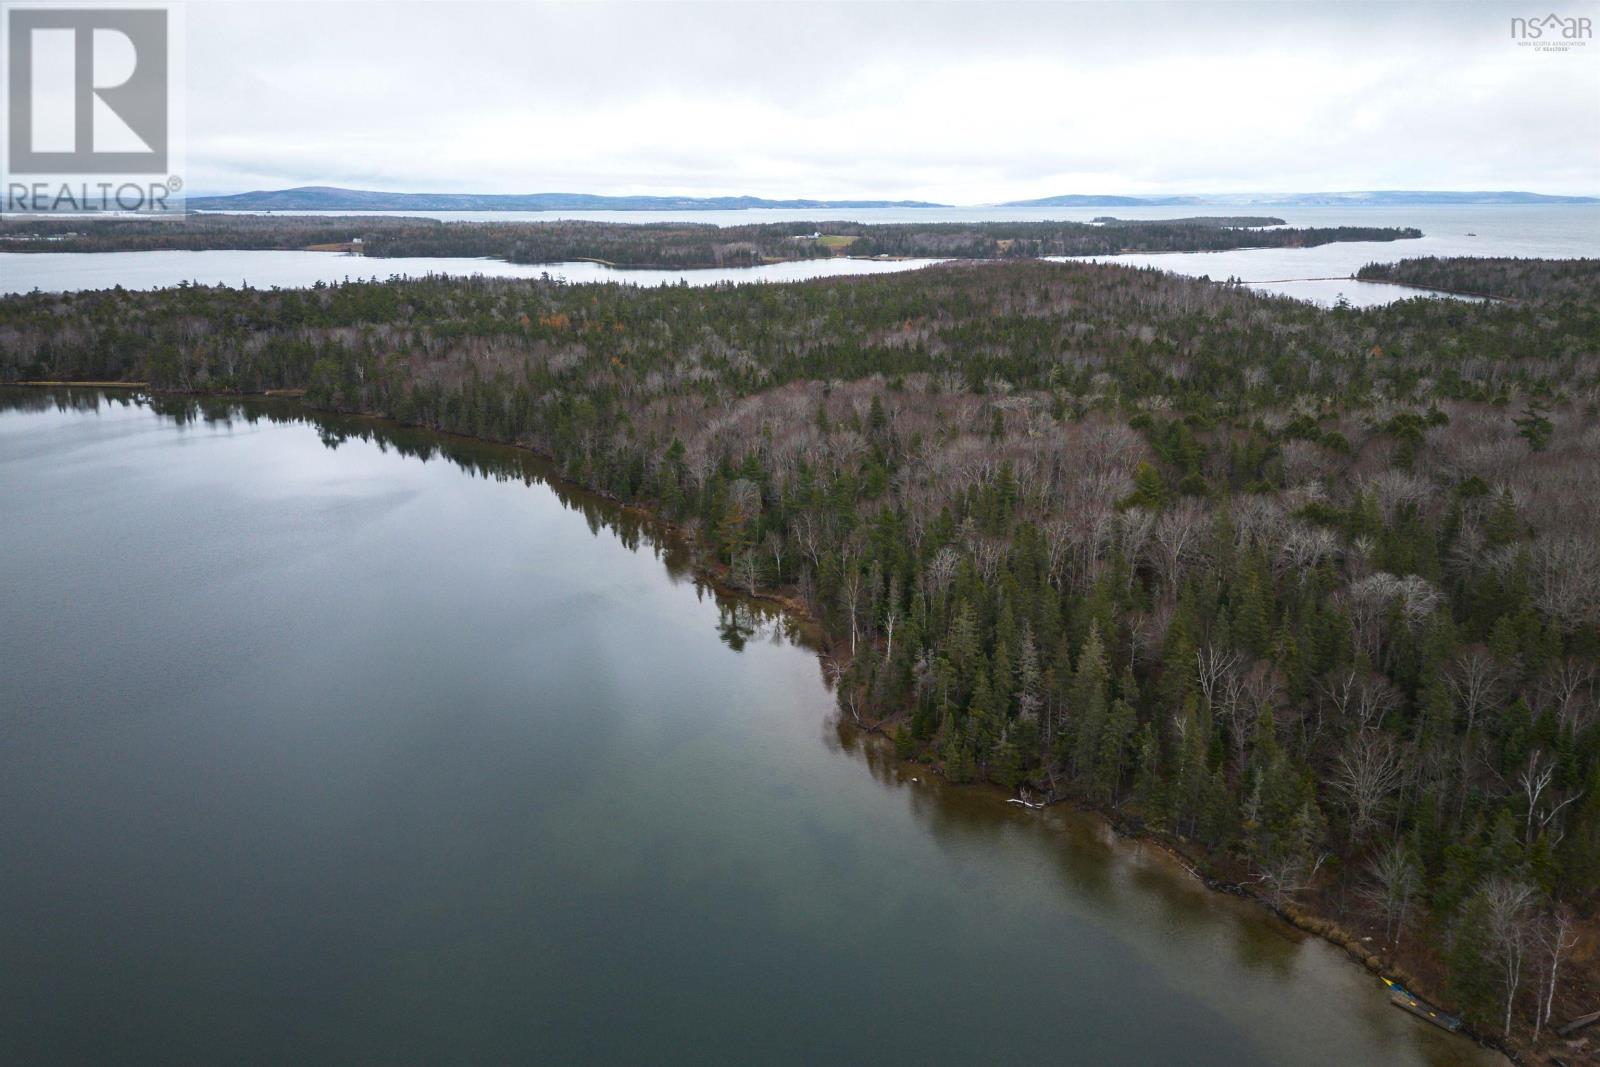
(1553, 33)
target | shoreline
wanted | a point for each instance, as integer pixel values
(1436, 289)
(783, 600)
(716, 575)
(45, 384)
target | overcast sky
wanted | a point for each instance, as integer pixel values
(962, 103)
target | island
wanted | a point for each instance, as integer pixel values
(675, 245)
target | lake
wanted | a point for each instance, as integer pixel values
(326, 741)
(22, 272)
(1320, 274)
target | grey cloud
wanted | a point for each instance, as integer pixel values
(959, 102)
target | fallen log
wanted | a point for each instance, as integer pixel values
(1577, 1024)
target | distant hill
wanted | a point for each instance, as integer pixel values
(1401, 196)
(1374, 198)
(328, 198)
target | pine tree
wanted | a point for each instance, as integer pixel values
(1088, 703)
(1148, 490)
(1005, 767)
(1147, 783)
(1471, 963)
(1115, 736)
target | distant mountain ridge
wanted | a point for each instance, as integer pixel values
(329, 198)
(1371, 198)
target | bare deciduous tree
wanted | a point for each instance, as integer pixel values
(1475, 680)
(941, 571)
(1289, 873)
(1544, 805)
(1394, 881)
(1368, 602)
(1569, 688)
(1566, 572)
(1303, 549)
(891, 620)
(850, 593)
(1366, 774)
(1510, 923)
(774, 547)
(1178, 536)
(1359, 700)
(848, 696)
(1214, 665)
(1556, 934)
(747, 571)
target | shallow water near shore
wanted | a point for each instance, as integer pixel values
(330, 741)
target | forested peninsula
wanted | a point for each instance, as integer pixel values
(1504, 278)
(676, 245)
(1311, 595)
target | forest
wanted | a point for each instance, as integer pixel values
(1504, 279)
(1314, 595)
(674, 245)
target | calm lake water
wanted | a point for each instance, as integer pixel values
(263, 269)
(1318, 274)
(323, 745)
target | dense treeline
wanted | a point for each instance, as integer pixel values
(1019, 240)
(1206, 220)
(1507, 278)
(673, 245)
(1317, 592)
(195, 233)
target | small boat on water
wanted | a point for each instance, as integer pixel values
(1405, 1001)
